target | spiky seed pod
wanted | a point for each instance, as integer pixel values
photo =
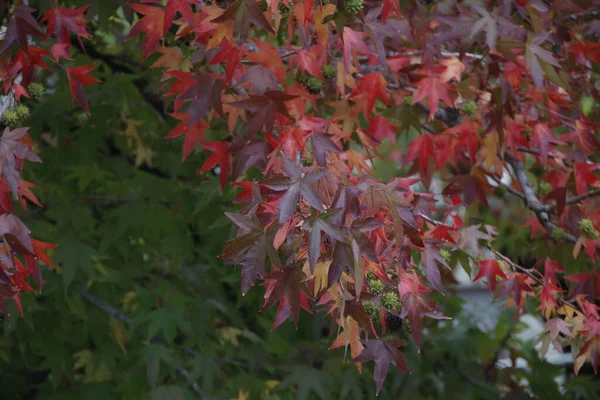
(446, 254)
(22, 112)
(376, 286)
(558, 234)
(314, 85)
(263, 5)
(408, 100)
(36, 90)
(10, 118)
(353, 7)
(371, 275)
(588, 229)
(469, 108)
(328, 71)
(499, 191)
(302, 79)
(544, 188)
(372, 309)
(390, 301)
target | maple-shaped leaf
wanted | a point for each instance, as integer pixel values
(11, 150)
(553, 328)
(308, 62)
(384, 353)
(285, 285)
(517, 286)
(491, 270)
(252, 246)
(231, 56)
(21, 25)
(265, 109)
(262, 79)
(78, 78)
(243, 12)
(171, 59)
(584, 176)
(414, 304)
(16, 234)
(316, 226)
(372, 86)
(220, 156)
(269, 57)
(382, 128)
(538, 60)
(585, 136)
(295, 183)
(422, 149)
(152, 24)
(205, 92)
(62, 22)
(587, 284)
(548, 301)
(591, 349)
(541, 138)
(321, 143)
(350, 336)
(174, 6)
(353, 43)
(194, 133)
(435, 89)
(248, 154)
(429, 264)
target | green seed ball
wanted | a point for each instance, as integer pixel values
(376, 286)
(36, 90)
(314, 84)
(328, 71)
(372, 309)
(390, 301)
(353, 7)
(22, 112)
(10, 118)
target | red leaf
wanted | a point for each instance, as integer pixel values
(231, 56)
(416, 306)
(174, 6)
(13, 149)
(285, 285)
(78, 77)
(489, 269)
(194, 133)
(421, 148)
(62, 22)
(373, 86)
(220, 156)
(434, 88)
(353, 42)
(308, 62)
(152, 24)
(19, 27)
(541, 137)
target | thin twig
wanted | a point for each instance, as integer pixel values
(107, 308)
(577, 199)
(507, 187)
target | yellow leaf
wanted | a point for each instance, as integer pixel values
(172, 59)
(321, 271)
(242, 395)
(119, 334)
(229, 334)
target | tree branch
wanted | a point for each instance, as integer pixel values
(531, 200)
